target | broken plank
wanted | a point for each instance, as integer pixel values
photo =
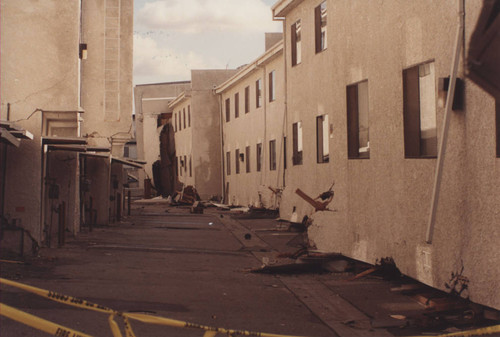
(336, 312)
(408, 287)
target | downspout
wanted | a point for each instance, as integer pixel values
(221, 128)
(264, 107)
(446, 123)
(285, 94)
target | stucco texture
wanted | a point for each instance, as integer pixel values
(382, 204)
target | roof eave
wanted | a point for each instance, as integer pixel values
(282, 7)
(269, 54)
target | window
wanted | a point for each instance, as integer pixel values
(189, 115)
(175, 122)
(297, 143)
(228, 110)
(358, 136)
(296, 43)
(320, 27)
(322, 139)
(228, 162)
(272, 155)
(247, 100)
(272, 86)
(180, 121)
(181, 164)
(247, 157)
(190, 167)
(258, 93)
(237, 105)
(237, 161)
(177, 166)
(185, 165)
(184, 116)
(419, 111)
(258, 154)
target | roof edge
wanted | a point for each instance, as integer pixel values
(270, 53)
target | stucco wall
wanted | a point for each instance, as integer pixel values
(107, 71)
(382, 204)
(259, 125)
(40, 72)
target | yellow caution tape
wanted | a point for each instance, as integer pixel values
(69, 300)
(471, 333)
(59, 330)
(39, 323)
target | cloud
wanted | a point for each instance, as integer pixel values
(154, 63)
(195, 16)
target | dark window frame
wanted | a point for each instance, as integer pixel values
(228, 163)
(319, 37)
(272, 86)
(236, 105)
(295, 39)
(228, 110)
(321, 157)
(184, 116)
(247, 99)
(247, 159)
(189, 115)
(352, 103)
(237, 160)
(258, 93)
(413, 148)
(258, 156)
(272, 155)
(297, 156)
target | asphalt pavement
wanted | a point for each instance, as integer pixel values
(189, 267)
(165, 261)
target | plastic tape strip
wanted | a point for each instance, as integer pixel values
(476, 332)
(73, 301)
(79, 303)
(39, 323)
(210, 331)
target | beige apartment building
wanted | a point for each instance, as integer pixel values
(253, 124)
(197, 127)
(152, 113)
(366, 83)
(66, 73)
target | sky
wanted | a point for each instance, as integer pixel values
(171, 37)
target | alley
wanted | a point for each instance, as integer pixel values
(176, 265)
(216, 269)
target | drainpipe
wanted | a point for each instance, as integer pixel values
(264, 107)
(285, 98)
(446, 123)
(221, 128)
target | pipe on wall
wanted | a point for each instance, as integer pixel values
(444, 132)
